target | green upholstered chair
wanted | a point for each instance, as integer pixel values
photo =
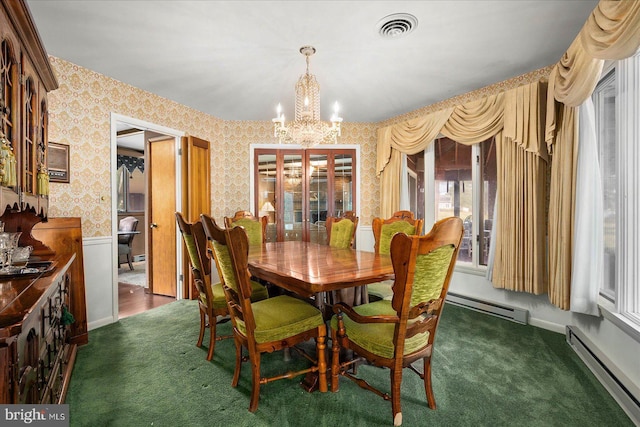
(255, 227)
(268, 325)
(341, 231)
(383, 231)
(395, 333)
(211, 300)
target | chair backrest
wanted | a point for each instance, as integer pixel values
(256, 228)
(231, 251)
(341, 231)
(400, 222)
(128, 223)
(423, 266)
(196, 244)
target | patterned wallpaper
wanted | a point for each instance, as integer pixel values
(80, 112)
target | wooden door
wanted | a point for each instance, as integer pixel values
(196, 194)
(161, 213)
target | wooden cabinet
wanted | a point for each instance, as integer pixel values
(36, 357)
(298, 189)
(26, 76)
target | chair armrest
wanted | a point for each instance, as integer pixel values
(340, 308)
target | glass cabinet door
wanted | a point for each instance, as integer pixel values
(291, 206)
(297, 189)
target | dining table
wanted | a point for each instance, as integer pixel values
(312, 270)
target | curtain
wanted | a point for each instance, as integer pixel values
(588, 240)
(476, 121)
(612, 31)
(404, 184)
(409, 137)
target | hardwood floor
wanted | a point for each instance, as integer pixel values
(133, 299)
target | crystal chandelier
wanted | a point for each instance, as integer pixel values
(307, 129)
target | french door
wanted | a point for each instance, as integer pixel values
(298, 189)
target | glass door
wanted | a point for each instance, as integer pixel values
(293, 217)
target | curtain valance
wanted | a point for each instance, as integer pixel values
(476, 121)
(130, 163)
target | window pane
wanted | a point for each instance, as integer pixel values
(488, 173)
(605, 107)
(343, 182)
(454, 190)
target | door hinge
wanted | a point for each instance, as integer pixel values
(181, 278)
(477, 160)
(179, 151)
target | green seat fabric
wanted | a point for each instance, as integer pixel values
(381, 290)
(341, 233)
(378, 337)
(430, 273)
(190, 242)
(258, 292)
(388, 230)
(219, 301)
(281, 317)
(253, 230)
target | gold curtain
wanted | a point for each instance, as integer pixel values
(409, 137)
(520, 257)
(476, 121)
(612, 31)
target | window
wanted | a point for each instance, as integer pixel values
(617, 102)
(604, 100)
(465, 186)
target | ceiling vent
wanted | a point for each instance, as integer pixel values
(396, 25)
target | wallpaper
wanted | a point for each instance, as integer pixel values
(80, 113)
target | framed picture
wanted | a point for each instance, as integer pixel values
(58, 162)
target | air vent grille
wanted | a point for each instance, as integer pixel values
(396, 25)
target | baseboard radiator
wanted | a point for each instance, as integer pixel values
(514, 314)
(605, 371)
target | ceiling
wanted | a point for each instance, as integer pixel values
(236, 60)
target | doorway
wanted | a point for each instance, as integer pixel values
(131, 191)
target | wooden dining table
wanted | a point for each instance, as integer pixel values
(312, 270)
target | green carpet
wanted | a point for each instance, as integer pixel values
(145, 370)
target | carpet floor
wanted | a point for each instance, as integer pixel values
(145, 370)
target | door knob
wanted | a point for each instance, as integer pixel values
(153, 225)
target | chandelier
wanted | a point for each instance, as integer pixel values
(307, 129)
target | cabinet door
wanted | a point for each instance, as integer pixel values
(298, 189)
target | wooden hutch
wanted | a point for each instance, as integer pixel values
(42, 314)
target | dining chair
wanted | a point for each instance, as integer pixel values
(211, 300)
(125, 241)
(398, 332)
(264, 326)
(341, 233)
(255, 227)
(383, 231)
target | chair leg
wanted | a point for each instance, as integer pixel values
(396, 381)
(203, 326)
(236, 373)
(129, 260)
(212, 336)
(255, 381)
(335, 361)
(431, 398)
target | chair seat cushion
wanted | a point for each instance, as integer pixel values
(220, 302)
(377, 338)
(382, 290)
(282, 317)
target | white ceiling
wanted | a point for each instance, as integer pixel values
(237, 59)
